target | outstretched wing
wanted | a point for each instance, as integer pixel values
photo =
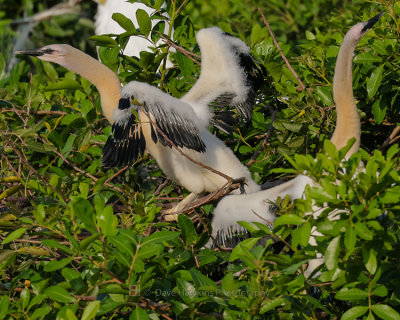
(127, 141)
(230, 76)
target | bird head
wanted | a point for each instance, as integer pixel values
(56, 53)
(358, 30)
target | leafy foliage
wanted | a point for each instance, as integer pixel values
(82, 242)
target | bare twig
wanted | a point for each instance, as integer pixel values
(79, 169)
(393, 137)
(185, 52)
(302, 86)
(27, 163)
(116, 174)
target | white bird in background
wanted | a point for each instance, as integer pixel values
(256, 207)
(104, 24)
(229, 74)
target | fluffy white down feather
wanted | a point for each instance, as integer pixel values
(177, 167)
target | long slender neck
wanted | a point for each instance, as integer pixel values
(105, 80)
(348, 121)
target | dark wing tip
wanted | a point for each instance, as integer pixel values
(125, 144)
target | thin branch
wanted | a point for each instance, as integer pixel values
(78, 169)
(391, 139)
(185, 52)
(27, 163)
(302, 86)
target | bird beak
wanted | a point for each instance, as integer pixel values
(372, 21)
(35, 52)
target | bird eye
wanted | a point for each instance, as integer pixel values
(48, 51)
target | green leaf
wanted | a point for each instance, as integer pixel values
(124, 22)
(25, 297)
(57, 264)
(104, 41)
(40, 312)
(139, 314)
(161, 236)
(288, 219)
(350, 240)
(14, 235)
(363, 231)
(242, 250)
(379, 111)
(370, 260)
(325, 94)
(187, 229)
(332, 253)
(351, 294)
(107, 221)
(4, 307)
(185, 64)
(91, 310)
(354, 313)
(380, 291)
(186, 290)
(374, 81)
(84, 210)
(272, 304)
(144, 21)
(59, 294)
(385, 312)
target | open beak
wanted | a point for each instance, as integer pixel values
(372, 21)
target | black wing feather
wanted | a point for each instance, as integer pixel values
(125, 144)
(181, 131)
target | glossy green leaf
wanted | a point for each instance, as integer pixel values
(57, 264)
(139, 314)
(374, 81)
(351, 294)
(288, 219)
(14, 235)
(272, 304)
(385, 312)
(90, 310)
(123, 21)
(188, 232)
(332, 253)
(59, 294)
(144, 21)
(354, 313)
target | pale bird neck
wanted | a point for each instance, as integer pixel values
(348, 121)
(103, 78)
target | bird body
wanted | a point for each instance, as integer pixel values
(154, 115)
(257, 206)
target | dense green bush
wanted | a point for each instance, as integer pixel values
(82, 242)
